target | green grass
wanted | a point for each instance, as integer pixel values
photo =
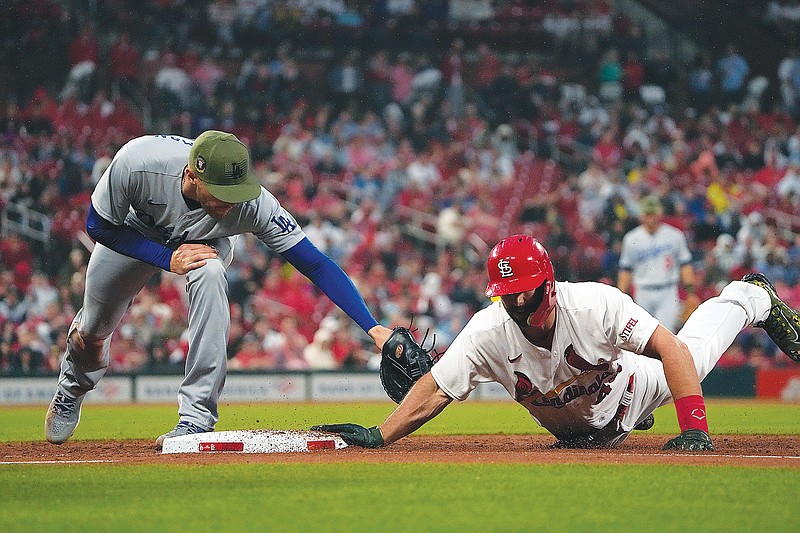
(396, 497)
(145, 421)
(391, 497)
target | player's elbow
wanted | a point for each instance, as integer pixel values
(97, 227)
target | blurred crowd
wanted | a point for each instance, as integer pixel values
(407, 137)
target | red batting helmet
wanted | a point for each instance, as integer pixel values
(519, 264)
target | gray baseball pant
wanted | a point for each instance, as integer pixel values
(112, 282)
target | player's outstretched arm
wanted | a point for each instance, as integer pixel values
(424, 401)
(684, 384)
(678, 363)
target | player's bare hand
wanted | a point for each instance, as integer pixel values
(191, 256)
(379, 334)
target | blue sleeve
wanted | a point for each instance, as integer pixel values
(328, 276)
(127, 241)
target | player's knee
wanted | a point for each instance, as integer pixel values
(87, 347)
(211, 279)
(213, 269)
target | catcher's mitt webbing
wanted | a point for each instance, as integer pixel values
(403, 362)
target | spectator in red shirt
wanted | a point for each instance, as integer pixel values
(84, 47)
(487, 69)
(83, 54)
(124, 65)
(15, 251)
(633, 74)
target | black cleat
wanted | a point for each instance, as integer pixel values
(783, 323)
(645, 424)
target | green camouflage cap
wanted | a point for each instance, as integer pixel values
(222, 163)
(651, 205)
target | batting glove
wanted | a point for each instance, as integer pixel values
(691, 440)
(354, 434)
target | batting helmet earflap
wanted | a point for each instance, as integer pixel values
(519, 263)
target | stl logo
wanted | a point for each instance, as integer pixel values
(505, 268)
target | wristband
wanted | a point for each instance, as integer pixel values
(691, 412)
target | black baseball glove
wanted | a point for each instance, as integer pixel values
(403, 362)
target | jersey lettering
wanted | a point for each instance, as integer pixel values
(628, 329)
(644, 255)
(286, 224)
(187, 142)
(561, 396)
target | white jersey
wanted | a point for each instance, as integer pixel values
(142, 189)
(654, 260)
(570, 390)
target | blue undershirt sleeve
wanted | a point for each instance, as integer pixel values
(127, 241)
(328, 276)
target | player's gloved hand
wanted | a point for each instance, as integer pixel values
(691, 440)
(354, 434)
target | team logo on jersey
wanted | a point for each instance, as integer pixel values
(505, 268)
(576, 361)
(523, 388)
(200, 164)
(564, 393)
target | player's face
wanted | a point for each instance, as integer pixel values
(214, 207)
(651, 221)
(520, 306)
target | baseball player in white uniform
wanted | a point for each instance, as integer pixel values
(654, 258)
(587, 362)
(177, 204)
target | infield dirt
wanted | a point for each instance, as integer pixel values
(732, 450)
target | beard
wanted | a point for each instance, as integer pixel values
(521, 313)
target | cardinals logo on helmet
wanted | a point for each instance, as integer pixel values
(505, 268)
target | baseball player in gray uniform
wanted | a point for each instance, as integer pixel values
(177, 204)
(654, 258)
(586, 362)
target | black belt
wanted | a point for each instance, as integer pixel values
(656, 287)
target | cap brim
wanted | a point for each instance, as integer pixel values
(245, 191)
(514, 286)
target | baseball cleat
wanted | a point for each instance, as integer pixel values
(182, 428)
(645, 424)
(783, 323)
(62, 417)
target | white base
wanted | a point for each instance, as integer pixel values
(253, 441)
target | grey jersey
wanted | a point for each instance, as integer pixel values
(654, 260)
(142, 189)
